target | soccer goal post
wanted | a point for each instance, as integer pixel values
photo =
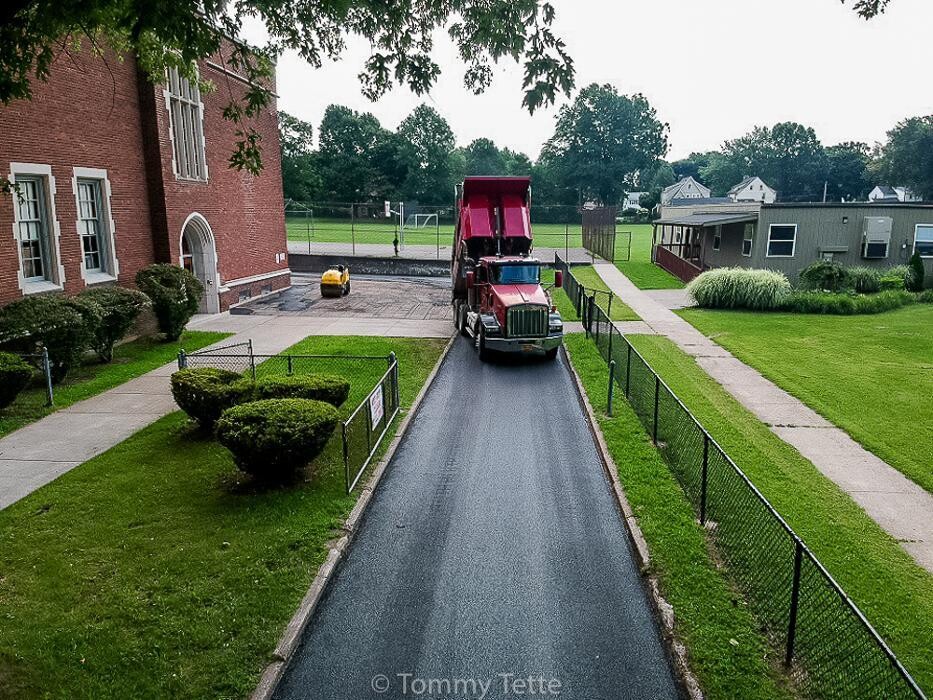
(421, 221)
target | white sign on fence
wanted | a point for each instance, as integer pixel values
(375, 406)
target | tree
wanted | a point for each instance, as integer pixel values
(662, 176)
(907, 158)
(603, 141)
(168, 33)
(429, 143)
(348, 140)
(516, 163)
(692, 164)
(848, 176)
(484, 158)
(301, 179)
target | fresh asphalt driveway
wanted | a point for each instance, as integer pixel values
(492, 551)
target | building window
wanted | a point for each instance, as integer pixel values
(747, 240)
(33, 229)
(90, 225)
(923, 240)
(717, 238)
(782, 239)
(186, 118)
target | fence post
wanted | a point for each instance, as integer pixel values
(289, 365)
(437, 234)
(47, 369)
(612, 376)
(609, 319)
(353, 228)
(252, 359)
(346, 455)
(628, 369)
(566, 241)
(657, 396)
(794, 603)
(704, 476)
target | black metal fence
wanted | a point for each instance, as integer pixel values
(41, 361)
(374, 391)
(828, 645)
(579, 293)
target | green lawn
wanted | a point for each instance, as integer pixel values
(566, 308)
(870, 375)
(639, 268)
(157, 570)
(891, 589)
(588, 277)
(130, 360)
(725, 649)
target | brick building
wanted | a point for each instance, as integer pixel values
(115, 172)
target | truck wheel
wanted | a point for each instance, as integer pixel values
(480, 341)
(551, 354)
(461, 319)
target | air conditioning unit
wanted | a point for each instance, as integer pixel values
(876, 236)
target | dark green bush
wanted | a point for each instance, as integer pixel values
(275, 437)
(175, 294)
(847, 304)
(320, 387)
(64, 325)
(119, 308)
(926, 297)
(14, 376)
(895, 278)
(206, 392)
(824, 275)
(865, 280)
(914, 279)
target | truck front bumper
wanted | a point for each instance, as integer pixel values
(535, 346)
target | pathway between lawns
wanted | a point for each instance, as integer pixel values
(493, 550)
(901, 507)
(42, 451)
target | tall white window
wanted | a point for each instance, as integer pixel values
(91, 225)
(782, 239)
(186, 113)
(33, 229)
(923, 240)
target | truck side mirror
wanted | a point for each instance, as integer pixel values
(470, 279)
(559, 278)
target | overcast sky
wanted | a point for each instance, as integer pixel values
(713, 69)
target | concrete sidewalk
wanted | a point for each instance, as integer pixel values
(42, 451)
(901, 507)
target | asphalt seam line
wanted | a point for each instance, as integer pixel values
(663, 610)
(291, 636)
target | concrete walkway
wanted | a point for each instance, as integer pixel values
(42, 451)
(901, 507)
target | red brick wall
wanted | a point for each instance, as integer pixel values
(86, 115)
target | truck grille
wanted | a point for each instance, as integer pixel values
(527, 321)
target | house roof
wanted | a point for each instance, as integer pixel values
(703, 220)
(678, 186)
(887, 190)
(742, 185)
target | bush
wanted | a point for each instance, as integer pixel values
(275, 437)
(204, 393)
(738, 288)
(824, 275)
(64, 325)
(15, 374)
(926, 297)
(320, 387)
(847, 304)
(175, 294)
(119, 308)
(914, 279)
(865, 280)
(895, 278)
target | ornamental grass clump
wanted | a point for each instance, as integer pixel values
(204, 393)
(865, 280)
(738, 288)
(320, 387)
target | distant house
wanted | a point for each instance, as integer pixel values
(752, 189)
(688, 188)
(632, 200)
(884, 194)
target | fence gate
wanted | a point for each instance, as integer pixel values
(599, 232)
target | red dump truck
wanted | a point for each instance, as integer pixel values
(498, 299)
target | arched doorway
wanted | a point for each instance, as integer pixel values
(199, 255)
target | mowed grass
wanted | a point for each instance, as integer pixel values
(894, 592)
(559, 297)
(130, 360)
(726, 650)
(589, 278)
(870, 375)
(158, 570)
(639, 268)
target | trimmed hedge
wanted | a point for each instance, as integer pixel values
(175, 293)
(847, 304)
(204, 393)
(824, 275)
(15, 375)
(740, 288)
(119, 309)
(273, 438)
(319, 387)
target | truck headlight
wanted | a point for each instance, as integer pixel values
(555, 324)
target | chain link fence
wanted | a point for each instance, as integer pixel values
(829, 648)
(374, 391)
(40, 360)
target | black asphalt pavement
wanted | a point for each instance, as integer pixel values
(492, 553)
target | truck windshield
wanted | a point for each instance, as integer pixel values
(515, 274)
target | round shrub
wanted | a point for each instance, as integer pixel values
(925, 297)
(739, 288)
(914, 279)
(119, 308)
(865, 280)
(175, 294)
(65, 326)
(206, 392)
(320, 387)
(276, 437)
(824, 275)
(15, 374)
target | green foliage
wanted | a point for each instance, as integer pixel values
(428, 145)
(319, 387)
(15, 374)
(907, 157)
(175, 294)
(864, 280)
(914, 279)
(204, 393)
(848, 177)
(740, 288)
(824, 275)
(894, 278)
(925, 297)
(275, 437)
(119, 309)
(847, 304)
(64, 325)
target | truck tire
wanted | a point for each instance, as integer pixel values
(461, 320)
(551, 354)
(480, 343)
